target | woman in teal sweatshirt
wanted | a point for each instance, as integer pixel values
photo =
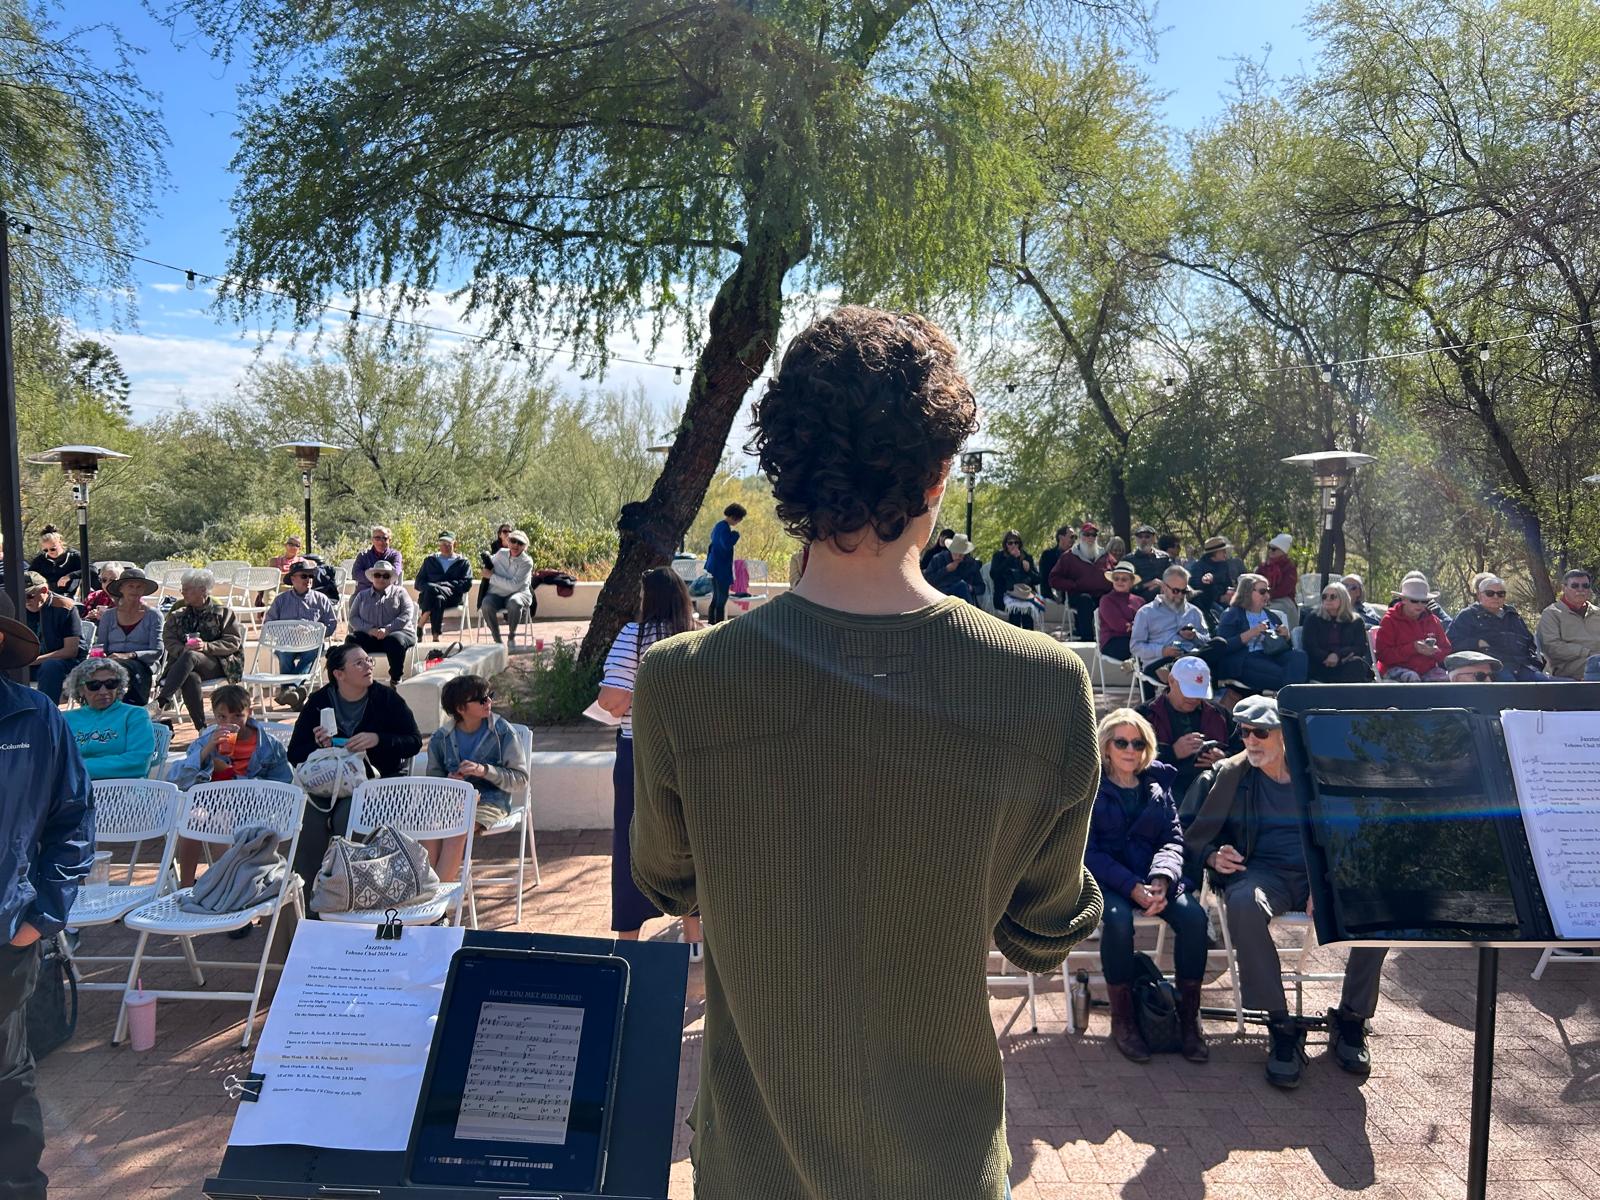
(116, 740)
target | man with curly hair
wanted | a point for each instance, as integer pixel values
(858, 788)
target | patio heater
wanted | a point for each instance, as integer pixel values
(1330, 471)
(80, 464)
(972, 467)
(307, 454)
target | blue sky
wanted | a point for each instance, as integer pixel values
(179, 352)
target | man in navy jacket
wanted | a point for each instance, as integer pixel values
(46, 846)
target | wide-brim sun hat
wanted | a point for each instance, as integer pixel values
(299, 567)
(383, 568)
(1021, 591)
(516, 535)
(1416, 590)
(1213, 544)
(1120, 569)
(133, 575)
(1259, 712)
(21, 647)
(960, 544)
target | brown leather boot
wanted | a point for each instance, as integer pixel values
(1124, 1028)
(1194, 1041)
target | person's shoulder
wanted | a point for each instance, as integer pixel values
(31, 698)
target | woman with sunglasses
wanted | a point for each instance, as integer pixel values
(116, 740)
(1494, 627)
(1009, 566)
(500, 541)
(1135, 853)
(478, 745)
(1335, 640)
(1256, 646)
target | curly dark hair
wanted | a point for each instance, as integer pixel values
(866, 409)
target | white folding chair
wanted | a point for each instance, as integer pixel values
(250, 582)
(999, 973)
(1557, 955)
(427, 809)
(156, 568)
(519, 818)
(158, 756)
(1297, 975)
(211, 814)
(227, 572)
(1099, 659)
(279, 731)
(126, 812)
(284, 637)
(172, 581)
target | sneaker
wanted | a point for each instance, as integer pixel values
(295, 698)
(239, 934)
(1350, 1040)
(1287, 1052)
(697, 952)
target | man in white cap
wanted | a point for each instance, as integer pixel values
(1245, 829)
(1193, 733)
(1282, 578)
(1491, 625)
(47, 828)
(1411, 640)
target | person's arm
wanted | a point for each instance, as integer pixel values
(459, 577)
(66, 842)
(358, 621)
(1110, 872)
(425, 573)
(511, 772)
(405, 620)
(1444, 644)
(230, 642)
(276, 765)
(138, 747)
(436, 765)
(1231, 627)
(398, 727)
(1144, 647)
(327, 613)
(934, 571)
(194, 768)
(663, 864)
(1168, 860)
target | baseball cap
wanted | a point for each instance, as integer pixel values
(1191, 676)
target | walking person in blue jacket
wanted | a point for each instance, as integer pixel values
(719, 560)
(46, 847)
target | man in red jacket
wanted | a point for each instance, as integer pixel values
(1411, 640)
(1080, 573)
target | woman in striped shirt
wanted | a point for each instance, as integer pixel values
(664, 610)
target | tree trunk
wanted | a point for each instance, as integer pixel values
(1121, 511)
(743, 331)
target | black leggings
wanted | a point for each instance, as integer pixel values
(393, 646)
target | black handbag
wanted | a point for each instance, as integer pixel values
(1155, 1007)
(52, 1011)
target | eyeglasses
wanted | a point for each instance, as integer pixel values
(379, 538)
(1259, 735)
(1471, 677)
(1580, 587)
(1330, 595)
(1499, 594)
(101, 685)
(1122, 743)
(1013, 543)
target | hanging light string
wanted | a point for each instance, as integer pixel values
(30, 225)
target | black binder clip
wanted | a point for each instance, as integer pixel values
(244, 1087)
(389, 930)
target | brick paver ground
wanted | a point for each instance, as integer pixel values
(1083, 1122)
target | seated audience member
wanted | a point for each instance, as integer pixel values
(510, 579)
(59, 631)
(1135, 853)
(501, 540)
(235, 747)
(384, 620)
(202, 642)
(1370, 614)
(955, 572)
(1172, 546)
(1080, 576)
(476, 744)
(1117, 610)
(373, 721)
(1191, 730)
(1011, 565)
(1159, 627)
(1411, 639)
(1434, 606)
(292, 553)
(1023, 608)
(58, 566)
(116, 740)
(1148, 562)
(1244, 827)
(443, 582)
(1215, 576)
(1258, 651)
(300, 601)
(1335, 640)
(379, 551)
(130, 632)
(101, 599)
(1283, 577)
(942, 542)
(1495, 627)
(1065, 536)
(1472, 666)
(1569, 630)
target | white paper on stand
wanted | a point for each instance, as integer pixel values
(347, 1037)
(1555, 762)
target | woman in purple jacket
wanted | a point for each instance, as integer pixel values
(1135, 853)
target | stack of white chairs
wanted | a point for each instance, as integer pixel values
(211, 814)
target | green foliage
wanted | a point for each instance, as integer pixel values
(558, 688)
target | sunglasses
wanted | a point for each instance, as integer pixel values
(1330, 595)
(1473, 677)
(1581, 587)
(1499, 594)
(1013, 543)
(1259, 735)
(484, 699)
(101, 685)
(1263, 591)
(1122, 743)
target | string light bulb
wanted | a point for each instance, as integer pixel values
(188, 280)
(677, 374)
(1170, 386)
(1327, 372)
(1011, 389)
(1483, 351)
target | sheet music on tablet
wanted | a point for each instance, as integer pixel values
(520, 1077)
(1555, 762)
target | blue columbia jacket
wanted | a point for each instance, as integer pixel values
(46, 817)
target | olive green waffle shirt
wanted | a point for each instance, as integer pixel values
(859, 805)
